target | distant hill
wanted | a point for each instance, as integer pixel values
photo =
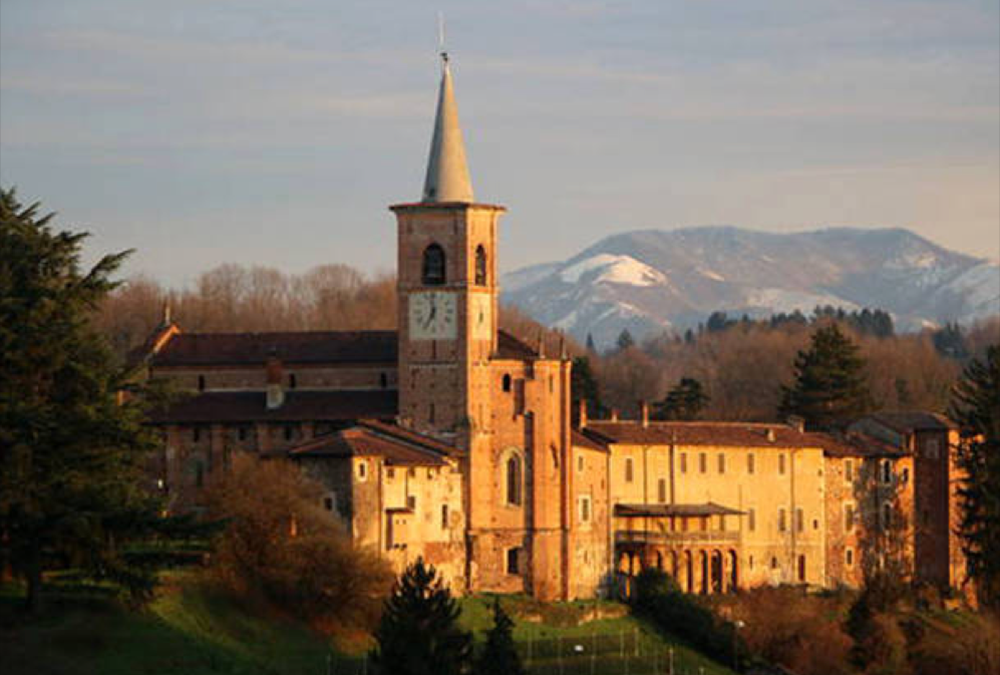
(654, 280)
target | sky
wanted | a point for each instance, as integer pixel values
(200, 132)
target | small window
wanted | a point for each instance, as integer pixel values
(328, 503)
(480, 266)
(362, 470)
(585, 508)
(661, 490)
(751, 562)
(444, 516)
(412, 472)
(506, 382)
(905, 476)
(800, 520)
(684, 462)
(752, 520)
(886, 472)
(201, 383)
(802, 568)
(293, 382)
(579, 463)
(751, 461)
(781, 464)
(774, 563)
(411, 502)
(848, 470)
(629, 470)
(390, 473)
(848, 517)
(512, 559)
(722, 463)
(433, 272)
(849, 557)
(702, 462)
(513, 471)
(782, 524)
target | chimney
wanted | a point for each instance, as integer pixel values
(275, 375)
(541, 343)
(614, 414)
(770, 435)
(644, 413)
(796, 422)
(583, 412)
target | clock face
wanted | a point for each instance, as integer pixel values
(432, 316)
(480, 317)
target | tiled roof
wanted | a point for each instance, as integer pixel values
(913, 420)
(734, 434)
(582, 440)
(305, 347)
(660, 510)
(366, 440)
(299, 406)
(509, 347)
(213, 349)
(855, 445)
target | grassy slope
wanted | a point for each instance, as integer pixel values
(191, 632)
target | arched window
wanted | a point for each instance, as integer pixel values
(433, 269)
(513, 472)
(480, 266)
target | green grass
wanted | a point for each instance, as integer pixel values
(188, 632)
(557, 641)
(191, 631)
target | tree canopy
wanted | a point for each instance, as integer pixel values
(683, 402)
(499, 656)
(419, 633)
(830, 384)
(976, 408)
(71, 453)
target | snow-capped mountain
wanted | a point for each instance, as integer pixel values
(651, 280)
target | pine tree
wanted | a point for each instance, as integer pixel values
(684, 402)
(71, 455)
(591, 349)
(625, 340)
(419, 633)
(830, 384)
(976, 408)
(583, 385)
(500, 657)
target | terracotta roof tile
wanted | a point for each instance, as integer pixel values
(509, 347)
(365, 441)
(737, 434)
(660, 510)
(212, 349)
(299, 406)
(584, 441)
(914, 420)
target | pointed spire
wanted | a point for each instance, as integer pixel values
(447, 171)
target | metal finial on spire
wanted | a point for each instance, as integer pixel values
(441, 48)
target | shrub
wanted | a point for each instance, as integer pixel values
(281, 546)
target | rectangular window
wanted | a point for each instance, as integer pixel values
(390, 473)
(684, 462)
(585, 508)
(800, 520)
(750, 463)
(628, 470)
(444, 516)
(722, 463)
(848, 470)
(886, 472)
(579, 463)
(411, 502)
(782, 525)
(512, 559)
(330, 501)
(849, 557)
(752, 520)
(848, 517)
(661, 490)
(781, 464)
(702, 462)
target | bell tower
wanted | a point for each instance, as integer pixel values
(447, 289)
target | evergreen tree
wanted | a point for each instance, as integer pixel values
(830, 385)
(71, 454)
(625, 340)
(500, 657)
(591, 349)
(684, 402)
(418, 633)
(583, 385)
(976, 408)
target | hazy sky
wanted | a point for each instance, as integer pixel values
(202, 132)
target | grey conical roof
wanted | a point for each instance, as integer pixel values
(447, 170)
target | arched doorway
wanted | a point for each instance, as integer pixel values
(716, 580)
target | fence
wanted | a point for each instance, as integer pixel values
(626, 652)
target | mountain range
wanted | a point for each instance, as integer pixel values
(650, 281)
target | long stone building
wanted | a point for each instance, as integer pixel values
(451, 440)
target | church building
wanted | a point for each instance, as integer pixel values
(451, 440)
